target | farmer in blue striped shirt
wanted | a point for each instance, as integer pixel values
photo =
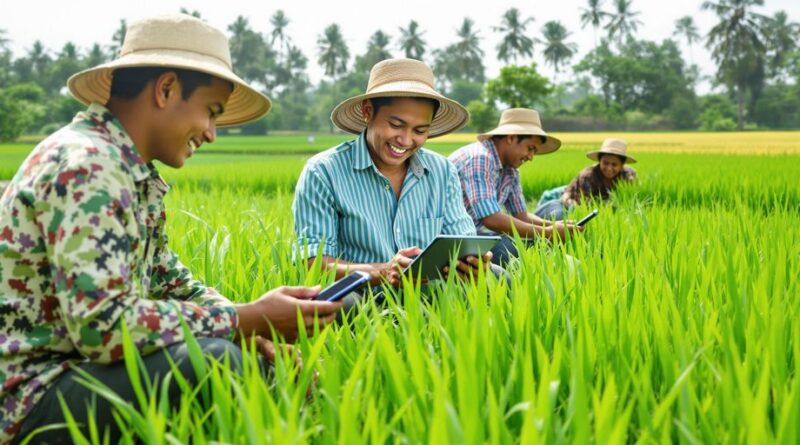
(371, 203)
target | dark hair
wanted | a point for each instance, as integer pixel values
(127, 83)
(520, 137)
(378, 102)
(622, 159)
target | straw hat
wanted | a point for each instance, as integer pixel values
(175, 41)
(522, 121)
(612, 146)
(401, 78)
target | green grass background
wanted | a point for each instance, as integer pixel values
(678, 325)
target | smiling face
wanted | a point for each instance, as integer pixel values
(611, 165)
(182, 126)
(397, 130)
(515, 150)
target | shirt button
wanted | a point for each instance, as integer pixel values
(398, 230)
(386, 187)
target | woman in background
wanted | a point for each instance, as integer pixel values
(594, 182)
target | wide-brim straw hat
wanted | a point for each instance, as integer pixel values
(175, 41)
(612, 146)
(522, 121)
(401, 78)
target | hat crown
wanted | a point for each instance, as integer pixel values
(399, 70)
(178, 33)
(520, 116)
(614, 146)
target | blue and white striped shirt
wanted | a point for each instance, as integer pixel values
(346, 207)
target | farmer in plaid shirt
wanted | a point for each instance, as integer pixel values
(489, 175)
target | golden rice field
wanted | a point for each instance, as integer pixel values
(754, 143)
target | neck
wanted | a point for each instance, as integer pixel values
(134, 122)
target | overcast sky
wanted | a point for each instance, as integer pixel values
(85, 22)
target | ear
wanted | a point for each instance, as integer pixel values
(367, 110)
(166, 88)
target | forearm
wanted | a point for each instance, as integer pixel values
(502, 223)
(533, 219)
(343, 268)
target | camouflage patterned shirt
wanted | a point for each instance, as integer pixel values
(82, 251)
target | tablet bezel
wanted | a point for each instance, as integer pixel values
(440, 250)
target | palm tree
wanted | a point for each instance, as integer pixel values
(118, 38)
(194, 13)
(557, 50)
(623, 22)
(738, 48)
(593, 15)
(685, 27)
(378, 45)
(279, 22)
(515, 43)
(377, 50)
(781, 39)
(411, 41)
(96, 56)
(468, 44)
(4, 41)
(40, 62)
(333, 51)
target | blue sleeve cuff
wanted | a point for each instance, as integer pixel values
(484, 208)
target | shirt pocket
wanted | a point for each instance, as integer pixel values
(423, 231)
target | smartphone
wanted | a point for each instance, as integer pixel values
(339, 289)
(586, 218)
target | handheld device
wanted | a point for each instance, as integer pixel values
(344, 286)
(430, 262)
(587, 218)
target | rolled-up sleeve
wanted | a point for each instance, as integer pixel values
(92, 235)
(315, 221)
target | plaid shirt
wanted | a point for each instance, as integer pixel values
(486, 184)
(82, 252)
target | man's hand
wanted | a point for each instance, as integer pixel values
(563, 229)
(391, 272)
(467, 267)
(278, 309)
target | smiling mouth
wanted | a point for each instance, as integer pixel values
(397, 150)
(193, 145)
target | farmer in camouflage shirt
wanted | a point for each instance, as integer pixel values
(83, 249)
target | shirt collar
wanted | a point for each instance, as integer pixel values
(103, 118)
(488, 145)
(362, 160)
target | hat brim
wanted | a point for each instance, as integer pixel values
(551, 143)
(450, 117)
(245, 104)
(595, 156)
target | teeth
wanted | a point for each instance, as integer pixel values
(192, 145)
(398, 150)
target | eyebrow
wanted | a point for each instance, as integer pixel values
(395, 118)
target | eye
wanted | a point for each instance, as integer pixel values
(421, 132)
(394, 125)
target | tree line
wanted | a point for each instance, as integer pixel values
(622, 83)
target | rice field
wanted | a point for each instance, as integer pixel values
(679, 324)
